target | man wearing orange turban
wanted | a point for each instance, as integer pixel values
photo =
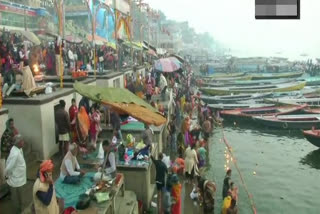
(44, 195)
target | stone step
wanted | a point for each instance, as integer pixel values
(127, 204)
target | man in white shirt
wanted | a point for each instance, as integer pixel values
(70, 171)
(109, 164)
(71, 59)
(16, 173)
(163, 86)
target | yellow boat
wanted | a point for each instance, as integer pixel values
(293, 86)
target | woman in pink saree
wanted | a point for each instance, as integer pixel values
(95, 118)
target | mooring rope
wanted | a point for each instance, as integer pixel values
(250, 197)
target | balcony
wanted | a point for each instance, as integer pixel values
(29, 3)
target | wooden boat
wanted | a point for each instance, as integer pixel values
(299, 121)
(245, 82)
(313, 136)
(276, 76)
(248, 113)
(254, 89)
(223, 75)
(311, 111)
(262, 82)
(233, 98)
(227, 79)
(312, 102)
(237, 106)
(311, 81)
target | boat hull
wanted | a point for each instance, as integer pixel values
(247, 114)
(281, 124)
(222, 75)
(278, 76)
(227, 91)
(234, 99)
(237, 106)
(312, 137)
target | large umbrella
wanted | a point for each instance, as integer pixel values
(73, 39)
(180, 58)
(30, 36)
(161, 51)
(123, 102)
(98, 40)
(152, 53)
(170, 64)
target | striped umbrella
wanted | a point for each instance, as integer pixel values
(170, 64)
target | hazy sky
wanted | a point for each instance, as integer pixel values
(232, 22)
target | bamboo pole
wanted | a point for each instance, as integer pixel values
(114, 2)
(59, 8)
(93, 42)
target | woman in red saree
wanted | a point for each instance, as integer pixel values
(176, 195)
(73, 110)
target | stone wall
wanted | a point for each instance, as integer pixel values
(36, 122)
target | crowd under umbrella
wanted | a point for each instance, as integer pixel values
(123, 102)
(167, 65)
(28, 35)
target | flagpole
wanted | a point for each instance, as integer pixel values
(114, 2)
(59, 12)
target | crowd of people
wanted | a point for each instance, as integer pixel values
(53, 56)
(189, 129)
(77, 131)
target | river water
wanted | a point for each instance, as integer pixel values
(287, 169)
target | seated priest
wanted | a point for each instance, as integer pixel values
(44, 195)
(70, 171)
(108, 167)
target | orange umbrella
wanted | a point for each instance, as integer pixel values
(122, 101)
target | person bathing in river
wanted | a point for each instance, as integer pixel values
(233, 209)
(226, 183)
(233, 191)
